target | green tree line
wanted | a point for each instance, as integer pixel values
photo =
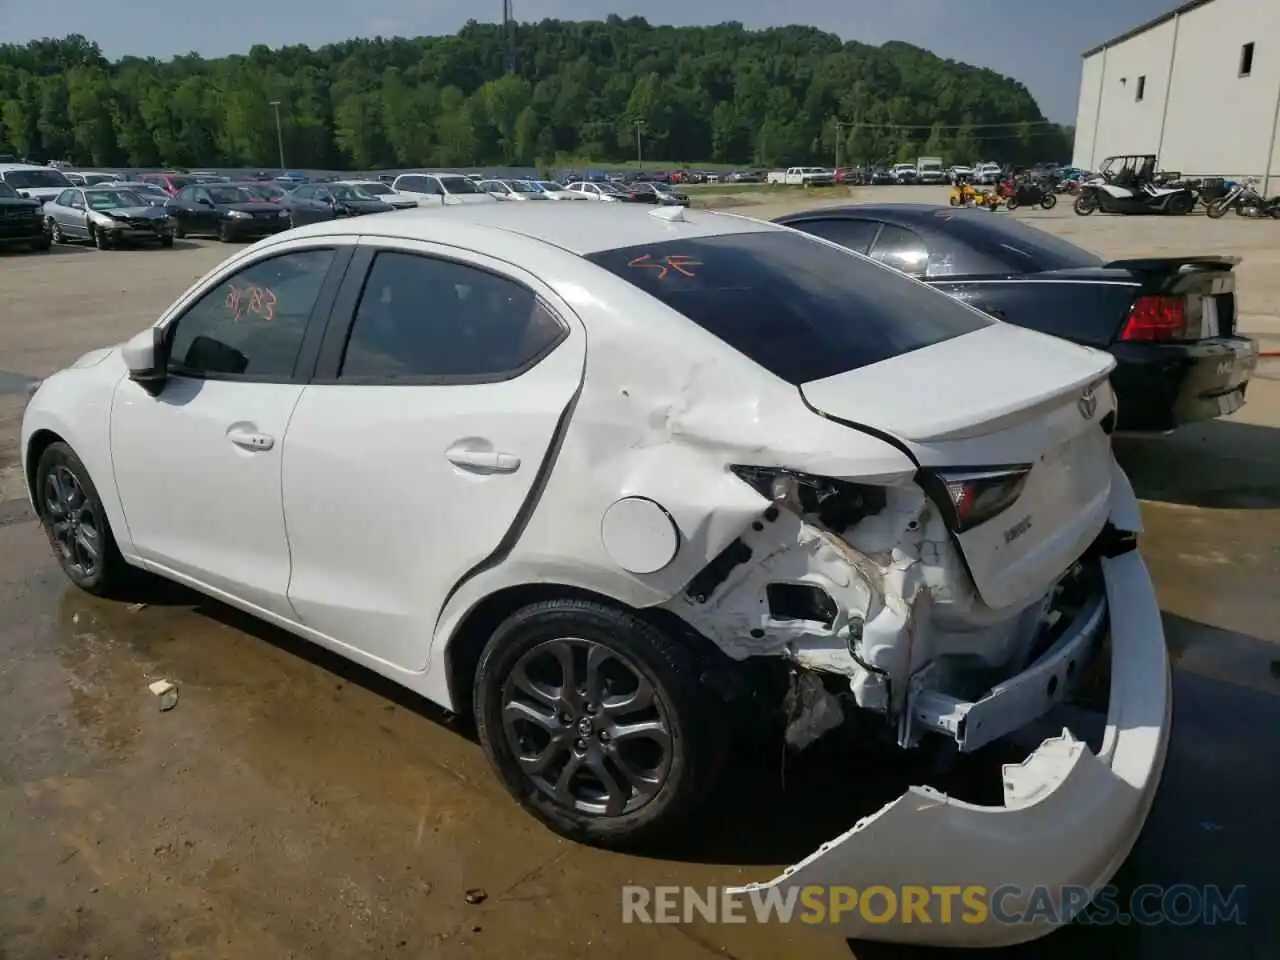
(580, 90)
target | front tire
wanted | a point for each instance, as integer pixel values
(595, 721)
(1085, 206)
(43, 245)
(1011, 203)
(1181, 205)
(55, 231)
(100, 240)
(1048, 201)
(179, 231)
(1216, 210)
(166, 242)
(71, 514)
(224, 233)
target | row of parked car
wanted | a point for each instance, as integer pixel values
(44, 206)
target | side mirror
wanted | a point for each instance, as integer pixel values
(146, 356)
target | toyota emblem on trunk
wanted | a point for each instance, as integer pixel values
(1088, 404)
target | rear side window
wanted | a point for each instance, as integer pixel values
(1004, 245)
(856, 235)
(801, 309)
(424, 318)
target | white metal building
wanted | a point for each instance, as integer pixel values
(1199, 87)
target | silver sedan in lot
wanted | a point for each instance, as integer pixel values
(106, 216)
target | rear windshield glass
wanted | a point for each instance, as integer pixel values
(1015, 246)
(800, 308)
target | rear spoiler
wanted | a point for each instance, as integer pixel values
(1174, 264)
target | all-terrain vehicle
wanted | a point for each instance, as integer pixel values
(1129, 185)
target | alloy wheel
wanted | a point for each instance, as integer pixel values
(587, 727)
(72, 523)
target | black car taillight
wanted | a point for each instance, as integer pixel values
(969, 498)
(1156, 317)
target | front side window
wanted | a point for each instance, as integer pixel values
(251, 324)
(801, 309)
(64, 198)
(901, 249)
(423, 317)
(855, 235)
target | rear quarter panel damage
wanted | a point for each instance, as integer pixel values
(1069, 816)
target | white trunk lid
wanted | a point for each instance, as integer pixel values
(1001, 396)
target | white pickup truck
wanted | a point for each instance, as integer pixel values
(802, 176)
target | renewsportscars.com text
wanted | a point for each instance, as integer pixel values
(1148, 905)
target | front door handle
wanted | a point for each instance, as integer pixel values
(250, 440)
(482, 461)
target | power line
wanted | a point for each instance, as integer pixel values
(946, 126)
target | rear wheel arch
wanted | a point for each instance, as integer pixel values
(468, 640)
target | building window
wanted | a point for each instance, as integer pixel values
(1142, 89)
(1246, 60)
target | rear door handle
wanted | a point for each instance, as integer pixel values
(249, 440)
(483, 461)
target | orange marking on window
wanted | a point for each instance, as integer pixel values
(678, 262)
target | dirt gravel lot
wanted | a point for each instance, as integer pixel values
(292, 806)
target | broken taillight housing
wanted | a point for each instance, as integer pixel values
(969, 498)
(1156, 317)
(838, 504)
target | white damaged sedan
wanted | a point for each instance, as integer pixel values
(588, 471)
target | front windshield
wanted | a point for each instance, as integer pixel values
(265, 191)
(519, 186)
(459, 185)
(24, 179)
(343, 191)
(113, 199)
(376, 189)
(608, 188)
(230, 195)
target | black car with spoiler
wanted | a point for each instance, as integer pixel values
(1170, 322)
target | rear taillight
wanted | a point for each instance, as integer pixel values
(1156, 317)
(969, 498)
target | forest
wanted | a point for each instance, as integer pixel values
(541, 94)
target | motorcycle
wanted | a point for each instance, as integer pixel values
(1025, 193)
(1131, 187)
(1245, 200)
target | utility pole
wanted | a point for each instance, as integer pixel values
(279, 135)
(840, 125)
(509, 28)
(639, 151)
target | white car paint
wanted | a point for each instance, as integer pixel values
(440, 189)
(656, 410)
(606, 192)
(554, 191)
(36, 182)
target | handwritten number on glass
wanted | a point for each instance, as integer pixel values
(677, 262)
(251, 301)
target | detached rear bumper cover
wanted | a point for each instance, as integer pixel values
(1070, 817)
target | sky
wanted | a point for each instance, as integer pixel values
(1037, 43)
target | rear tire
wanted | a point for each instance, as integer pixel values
(529, 709)
(1011, 203)
(1180, 205)
(79, 533)
(1084, 206)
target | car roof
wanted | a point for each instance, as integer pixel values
(579, 228)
